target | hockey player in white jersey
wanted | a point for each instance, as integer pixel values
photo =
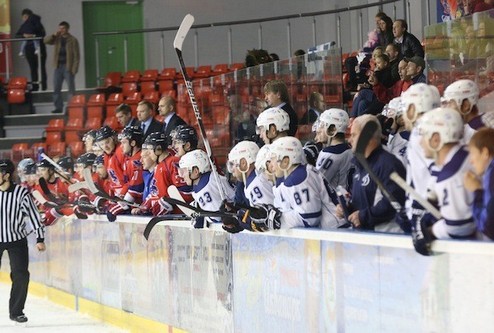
(272, 123)
(398, 135)
(441, 131)
(334, 161)
(241, 163)
(463, 96)
(195, 169)
(306, 198)
(417, 100)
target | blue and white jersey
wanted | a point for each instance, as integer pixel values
(206, 193)
(454, 200)
(397, 145)
(259, 189)
(307, 200)
(471, 128)
(418, 170)
(334, 163)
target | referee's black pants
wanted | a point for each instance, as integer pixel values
(19, 274)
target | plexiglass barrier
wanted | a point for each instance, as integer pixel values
(230, 103)
(298, 280)
(462, 49)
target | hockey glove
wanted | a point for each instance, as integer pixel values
(231, 224)
(403, 221)
(420, 235)
(161, 207)
(264, 218)
(116, 209)
(86, 207)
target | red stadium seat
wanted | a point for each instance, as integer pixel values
(113, 123)
(237, 66)
(57, 149)
(93, 123)
(53, 137)
(76, 148)
(152, 96)
(95, 106)
(112, 102)
(128, 88)
(16, 90)
(55, 125)
(149, 75)
(165, 85)
(131, 76)
(19, 151)
(167, 74)
(220, 69)
(73, 130)
(203, 72)
(76, 106)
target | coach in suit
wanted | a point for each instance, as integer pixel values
(145, 115)
(166, 109)
(123, 112)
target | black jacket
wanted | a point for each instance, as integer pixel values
(174, 121)
(411, 46)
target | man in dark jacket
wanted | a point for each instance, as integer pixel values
(410, 45)
(32, 27)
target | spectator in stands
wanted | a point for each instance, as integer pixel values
(166, 108)
(415, 69)
(483, 6)
(405, 79)
(409, 44)
(66, 61)
(369, 209)
(32, 27)
(393, 52)
(480, 181)
(146, 119)
(385, 26)
(123, 112)
(274, 57)
(316, 106)
(276, 95)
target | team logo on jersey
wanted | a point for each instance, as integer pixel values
(153, 189)
(113, 177)
(365, 180)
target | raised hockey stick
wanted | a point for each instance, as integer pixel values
(414, 194)
(91, 186)
(58, 168)
(365, 136)
(177, 44)
(41, 199)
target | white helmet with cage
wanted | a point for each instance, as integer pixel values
(447, 122)
(195, 158)
(273, 116)
(422, 97)
(244, 149)
(290, 147)
(337, 117)
(262, 158)
(461, 90)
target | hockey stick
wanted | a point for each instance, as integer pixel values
(414, 194)
(177, 44)
(174, 193)
(58, 168)
(91, 186)
(41, 199)
(157, 219)
(365, 136)
(78, 186)
(46, 190)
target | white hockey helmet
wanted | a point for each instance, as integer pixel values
(244, 149)
(393, 109)
(461, 90)
(262, 158)
(423, 99)
(273, 116)
(195, 158)
(290, 147)
(337, 117)
(447, 122)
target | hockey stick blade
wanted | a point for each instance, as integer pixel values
(182, 32)
(46, 191)
(197, 212)
(78, 186)
(58, 168)
(88, 179)
(414, 194)
(157, 219)
(174, 193)
(365, 136)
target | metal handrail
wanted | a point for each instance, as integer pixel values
(7, 55)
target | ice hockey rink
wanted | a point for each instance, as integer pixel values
(46, 316)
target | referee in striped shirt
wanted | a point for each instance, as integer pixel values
(17, 207)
